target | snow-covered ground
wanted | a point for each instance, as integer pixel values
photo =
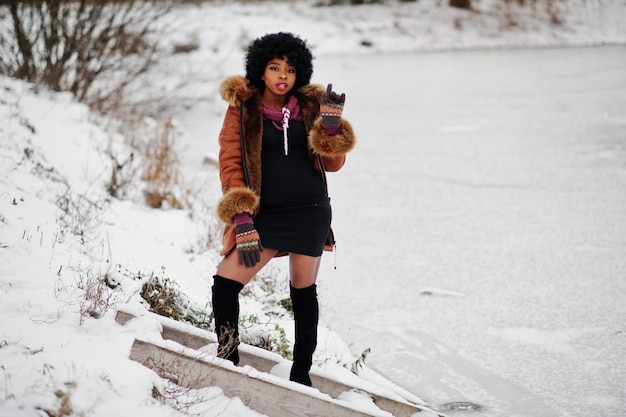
(481, 220)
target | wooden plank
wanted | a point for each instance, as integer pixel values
(399, 408)
(189, 340)
(175, 331)
(123, 317)
(194, 338)
(260, 395)
(260, 360)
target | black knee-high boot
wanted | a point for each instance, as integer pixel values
(306, 315)
(226, 313)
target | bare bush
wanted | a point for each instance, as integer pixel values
(65, 404)
(93, 49)
(552, 8)
(183, 399)
(97, 298)
(513, 10)
(164, 297)
(461, 4)
(161, 172)
(265, 335)
(81, 217)
(122, 174)
(360, 362)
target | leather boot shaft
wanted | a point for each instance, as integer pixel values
(306, 317)
(225, 299)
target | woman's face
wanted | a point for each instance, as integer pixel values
(279, 77)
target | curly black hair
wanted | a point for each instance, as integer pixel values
(278, 45)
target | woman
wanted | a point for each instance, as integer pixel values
(275, 199)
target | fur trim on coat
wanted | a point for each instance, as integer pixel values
(327, 153)
(237, 200)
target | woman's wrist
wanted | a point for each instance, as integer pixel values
(242, 218)
(331, 131)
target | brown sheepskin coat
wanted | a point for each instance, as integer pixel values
(328, 153)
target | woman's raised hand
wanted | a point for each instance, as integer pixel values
(331, 107)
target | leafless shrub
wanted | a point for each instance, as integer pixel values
(97, 298)
(93, 49)
(65, 407)
(552, 8)
(81, 217)
(360, 362)
(182, 399)
(165, 299)
(161, 172)
(162, 297)
(122, 174)
(184, 48)
(540, 9)
(461, 4)
(265, 334)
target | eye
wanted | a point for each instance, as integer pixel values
(292, 70)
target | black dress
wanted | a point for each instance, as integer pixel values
(294, 214)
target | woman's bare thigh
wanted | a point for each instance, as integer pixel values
(230, 267)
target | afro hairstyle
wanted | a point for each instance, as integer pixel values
(278, 45)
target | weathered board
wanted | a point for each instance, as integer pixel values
(173, 330)
(195, 338)
(260, 395)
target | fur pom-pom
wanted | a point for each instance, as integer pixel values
(332, 146)
(235, 201)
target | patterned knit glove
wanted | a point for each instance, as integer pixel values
(331, 107)
(248, 241)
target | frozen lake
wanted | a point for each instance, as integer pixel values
(481, 226)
